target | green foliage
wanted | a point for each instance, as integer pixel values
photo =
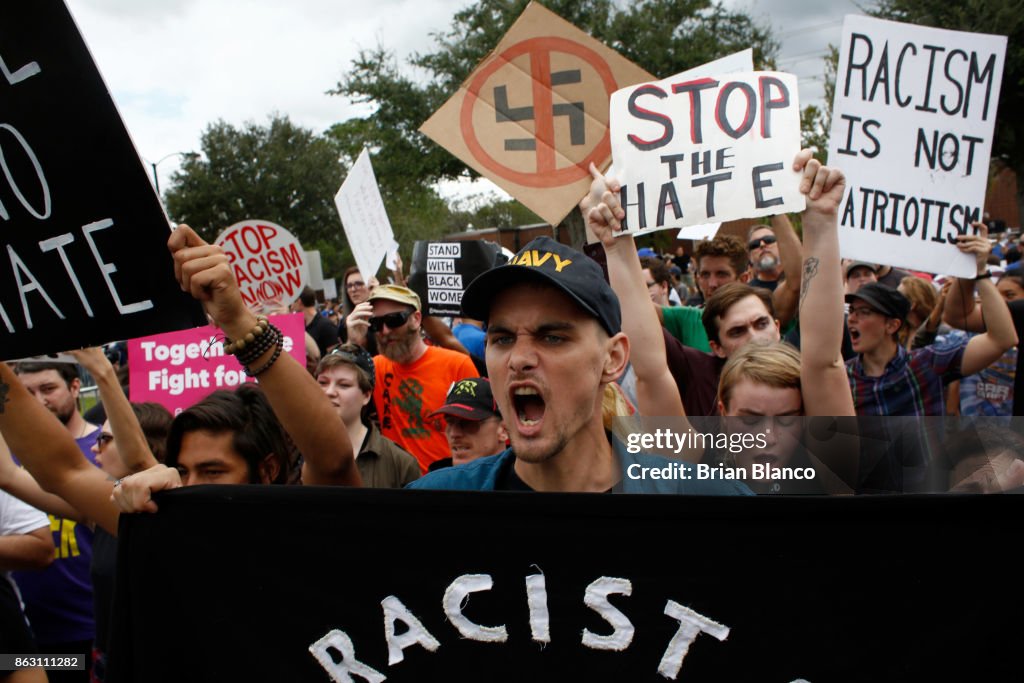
(662, 36)
(278, 172)
(816, 122)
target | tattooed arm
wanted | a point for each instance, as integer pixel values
(825, 387)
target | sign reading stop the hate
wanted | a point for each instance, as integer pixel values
(268, 262)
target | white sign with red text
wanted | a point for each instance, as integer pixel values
(268, 262)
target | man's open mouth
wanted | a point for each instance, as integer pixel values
(529, 406)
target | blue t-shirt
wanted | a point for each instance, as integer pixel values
(472, 337)
(484, 474)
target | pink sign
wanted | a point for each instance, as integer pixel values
(268, 262)
(178, 369)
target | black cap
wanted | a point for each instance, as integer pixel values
(884, 299)
(358, 356)
(470, 399)
(547, 261)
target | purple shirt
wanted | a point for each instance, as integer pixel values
(58, 599)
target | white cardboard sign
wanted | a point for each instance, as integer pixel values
(268, 262)
(912, 125)
(706, 146)
(363, 216)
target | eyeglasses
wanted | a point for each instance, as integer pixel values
(355, 285)
(102, 440)
(863, 311)
(392, 320)
(754, 244)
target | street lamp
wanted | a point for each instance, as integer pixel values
(153, 165)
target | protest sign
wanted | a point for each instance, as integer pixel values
(534, 113)
(82, 234)
(363, 216)
(562, 587)
(268, 262)
(316, 269)
(692, 150)
(912, 125)
(441, 271)
(178, 369)
(704, 231)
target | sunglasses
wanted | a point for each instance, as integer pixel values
(392, 320)
(355, 285)
(754, 244)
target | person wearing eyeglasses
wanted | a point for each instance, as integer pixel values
(412, 378)
(356, 293)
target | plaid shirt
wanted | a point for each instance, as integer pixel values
(913, 382)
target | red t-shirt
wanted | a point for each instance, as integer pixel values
(406, 394)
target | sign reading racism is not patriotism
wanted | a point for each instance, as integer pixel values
(83, 238)
(534, 113)
(915, 109)
(269, 264)
(177, 369)
(699, 148)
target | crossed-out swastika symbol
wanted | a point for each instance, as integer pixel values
(574, 110)
(542, 112)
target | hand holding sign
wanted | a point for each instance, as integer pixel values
(976, 244)
(203, 270)
(601, 209)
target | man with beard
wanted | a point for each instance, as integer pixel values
(763, 246)
(412, 378)
(58, 600)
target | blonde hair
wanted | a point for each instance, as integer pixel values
(923, 299)
(776, 364)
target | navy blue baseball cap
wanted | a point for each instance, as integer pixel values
(549, 262)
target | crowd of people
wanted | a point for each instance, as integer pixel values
(534, 388)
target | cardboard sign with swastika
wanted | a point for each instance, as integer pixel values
(534, 113)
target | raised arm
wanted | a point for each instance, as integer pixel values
(300, 405)
(131, 442)
(825, 387)
(50, 455)
(19, 483)
(786, 295)
(1000, 335)
(959, 310)
(656, 390)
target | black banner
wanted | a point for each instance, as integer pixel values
(289, 584)
(83, 239)
(441, 271)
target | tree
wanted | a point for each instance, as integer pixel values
(663, 36)
(279, 172)
(1002, 17)
(815, 121)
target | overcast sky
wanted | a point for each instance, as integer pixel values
(174, 66)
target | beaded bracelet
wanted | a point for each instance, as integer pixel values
(266, 366)
(233, 347)
(264, 343)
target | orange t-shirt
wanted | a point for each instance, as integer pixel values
(407, 394)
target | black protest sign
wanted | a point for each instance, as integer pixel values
(441, 271)
(84, 238)
(273, 584)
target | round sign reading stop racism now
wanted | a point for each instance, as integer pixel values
(269, 263)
